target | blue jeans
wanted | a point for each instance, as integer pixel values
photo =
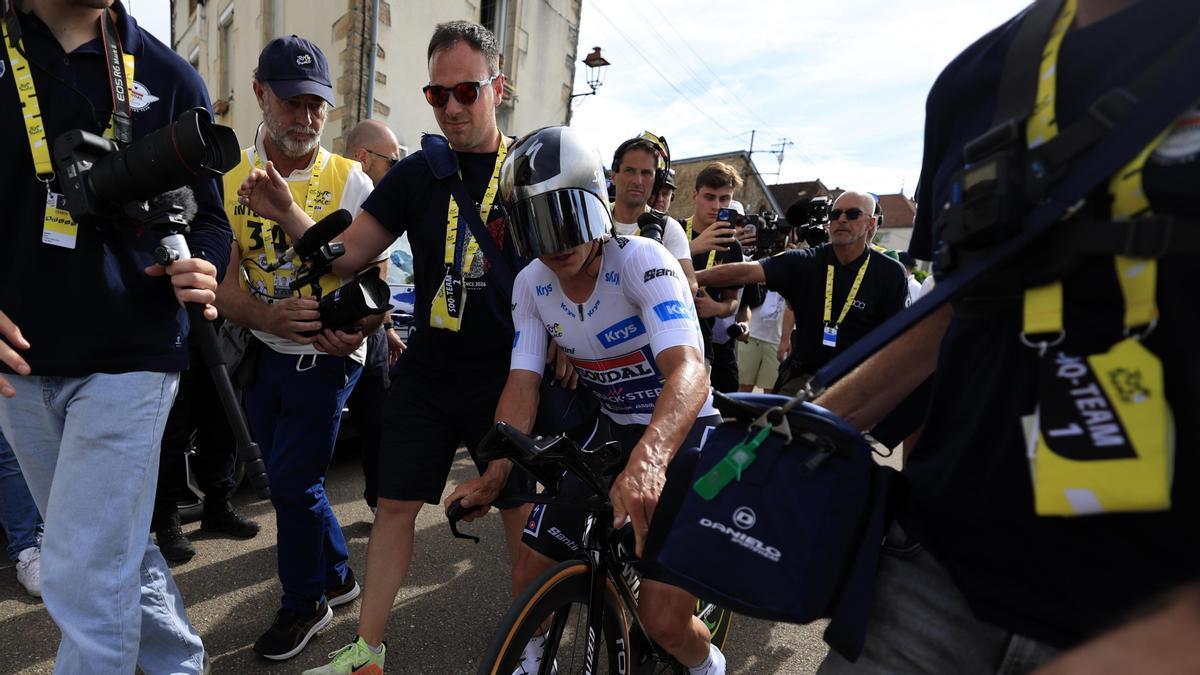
(89, 449)
(295, 409)
(921, 623)
(18, 513)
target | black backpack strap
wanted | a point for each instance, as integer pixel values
(1175, 88)
(1019, 81)
(444, 164)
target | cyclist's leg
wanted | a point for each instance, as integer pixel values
(667, 612)
(420, 438)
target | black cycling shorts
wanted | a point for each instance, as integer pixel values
(555, 530)
(426, 419)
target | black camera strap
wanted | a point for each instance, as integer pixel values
(120, 74)
(1168, 91)
(118, 81)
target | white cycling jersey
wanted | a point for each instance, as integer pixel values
(641, 305)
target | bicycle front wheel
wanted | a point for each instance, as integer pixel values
(556, 607)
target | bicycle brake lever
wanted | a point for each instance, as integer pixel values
(455, 513)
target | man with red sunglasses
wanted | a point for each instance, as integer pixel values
(449, 380)
(838, 291)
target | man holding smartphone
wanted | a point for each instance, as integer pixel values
(711, 229)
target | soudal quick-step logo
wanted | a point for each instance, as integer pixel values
(744, 518)
(619, 369)
(621, 331)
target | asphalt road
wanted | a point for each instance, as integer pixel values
(455, 594)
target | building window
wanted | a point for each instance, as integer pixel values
(225, 51)
(493, 15)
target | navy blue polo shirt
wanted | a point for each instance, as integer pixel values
(93, 309)
(1059, 580)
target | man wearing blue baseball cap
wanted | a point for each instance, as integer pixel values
(305, 371)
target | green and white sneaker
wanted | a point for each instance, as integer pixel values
(355, 658)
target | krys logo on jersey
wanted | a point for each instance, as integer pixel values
(626, 384)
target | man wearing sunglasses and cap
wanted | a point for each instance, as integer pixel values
(304, 371)
(447, 385)
(838, 291)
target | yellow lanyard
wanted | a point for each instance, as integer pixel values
(712, 255)
(310, 199)
(862, 272)
(1043, 311)
(35, 129)
(485, 206)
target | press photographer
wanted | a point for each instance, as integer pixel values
(86, 415)
(838, 291)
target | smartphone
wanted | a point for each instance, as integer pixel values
(726, 215)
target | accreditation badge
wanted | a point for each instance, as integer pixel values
(58, 229)
(449, 303)
(1102, 439)
(829, 335)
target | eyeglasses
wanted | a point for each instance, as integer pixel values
(851, 214)
(465, 93)
(391, 161)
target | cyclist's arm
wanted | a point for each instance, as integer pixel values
(636, 490)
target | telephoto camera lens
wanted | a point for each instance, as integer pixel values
(178, 154)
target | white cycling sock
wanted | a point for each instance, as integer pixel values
(713, 665)
(531, 658)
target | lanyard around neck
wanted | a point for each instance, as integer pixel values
(1043, 307)
(453, 223)
(862, 272)
(118, 65)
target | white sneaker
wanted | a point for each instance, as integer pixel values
(29, 570)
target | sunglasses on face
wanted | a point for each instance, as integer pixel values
(851, 214)
(465, 93)
(391, 161)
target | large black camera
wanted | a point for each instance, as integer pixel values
(772, 233)
(810, 217)
(364, 295)
(101, 180)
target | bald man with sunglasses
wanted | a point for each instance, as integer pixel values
(838, 291)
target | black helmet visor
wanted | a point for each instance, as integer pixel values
(553, 222)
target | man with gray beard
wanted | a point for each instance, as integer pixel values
(304, 371)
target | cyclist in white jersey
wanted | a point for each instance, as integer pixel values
(621, 310)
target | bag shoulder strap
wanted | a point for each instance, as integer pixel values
(1174, 90)
(444, 164)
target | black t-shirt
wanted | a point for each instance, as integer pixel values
(700, 262)
(1058, 580)
(799, 276)
(409, 199)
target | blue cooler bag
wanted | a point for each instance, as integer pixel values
(776, 529)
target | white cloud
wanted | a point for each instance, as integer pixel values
(845, 81)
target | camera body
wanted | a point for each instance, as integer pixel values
(364, 295)
(773, 232)
(809, 217)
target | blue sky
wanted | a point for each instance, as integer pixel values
(846, 81)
